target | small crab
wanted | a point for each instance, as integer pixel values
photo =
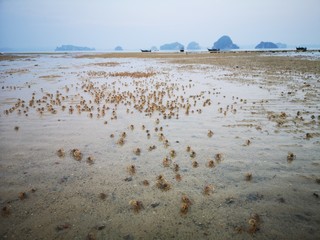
(131, 169)
(137, 151)
(76, 154)
(166, 162)
(195, 164)
(291, 157)
(186, 199)
(218, 157)
(173, 153)
(211, 164)
(61, 152)
(208, 189)
(210, 133)
(90, 160)
(248, 176)
(178, 177)
(22, 195)
(136, 205)
(184, 208)
(145, 182)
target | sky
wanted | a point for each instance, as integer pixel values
(135, 24)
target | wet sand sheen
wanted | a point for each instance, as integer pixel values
(209, 146)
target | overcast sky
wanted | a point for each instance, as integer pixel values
(135, 24)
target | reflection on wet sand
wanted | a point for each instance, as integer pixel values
(165, 145)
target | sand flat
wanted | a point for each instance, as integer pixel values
(254, 115)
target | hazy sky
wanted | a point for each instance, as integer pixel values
(135, 24)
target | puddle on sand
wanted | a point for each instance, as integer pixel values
(254, 128)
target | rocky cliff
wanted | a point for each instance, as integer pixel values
(281, 45)
(172, 46)
(193, 46)
(225, 43)
(268, 45)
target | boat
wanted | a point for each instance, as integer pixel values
(145, 50)
(211, 50)
(301, 49)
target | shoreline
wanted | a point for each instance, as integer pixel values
(120, 53)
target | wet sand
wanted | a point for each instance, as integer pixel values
(235, 133)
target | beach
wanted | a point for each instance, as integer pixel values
(160, 145)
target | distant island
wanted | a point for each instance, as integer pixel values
(73, 48)
(281, 45)
(193, 46)
(172, 46)
(118, 48)
(268, 45)
(225, 43)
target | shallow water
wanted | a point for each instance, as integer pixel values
(239, 107)
(310, 55)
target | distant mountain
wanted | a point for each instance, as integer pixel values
(172, 46)
(225, 43)
(268, 45)
(73, 48)
(118, 48)
(281, 45)
(193, 46)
